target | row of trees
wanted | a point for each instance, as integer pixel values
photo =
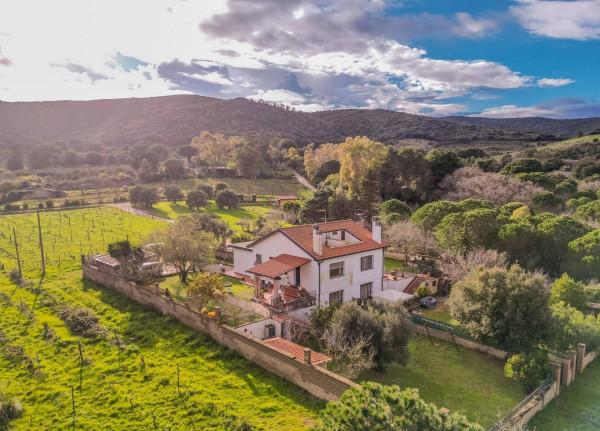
(145, 196)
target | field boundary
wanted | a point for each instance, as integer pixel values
(318, 381)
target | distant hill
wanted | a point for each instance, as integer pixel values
(174, 120)
(545, 126)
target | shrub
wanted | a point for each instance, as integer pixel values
(220, 186)
(10, 409)
(82, 322)
(528, 369)
(422, 291)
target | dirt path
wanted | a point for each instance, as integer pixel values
(127, 207)
(303, 181)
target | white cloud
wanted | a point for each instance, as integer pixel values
(554, 82)
(513, 111)
(579, 19)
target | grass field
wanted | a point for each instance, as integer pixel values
(577, 408)
(462, 380)
(259, 186)
(172, 210)
(395, 264)
(232, 286)
(133, 386)
(441, 313)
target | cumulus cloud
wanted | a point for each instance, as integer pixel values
(578, 20)
(558, 108)
(82, 70)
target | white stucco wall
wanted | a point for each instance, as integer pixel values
(353, 276)
(350, 283)
(257, 329)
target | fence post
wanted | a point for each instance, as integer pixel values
(580, 355)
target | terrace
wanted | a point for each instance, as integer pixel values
(277, 283)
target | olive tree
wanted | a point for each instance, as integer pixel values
(505, 307)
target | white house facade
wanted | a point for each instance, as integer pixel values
(321, 264)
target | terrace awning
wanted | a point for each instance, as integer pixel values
(278, 265)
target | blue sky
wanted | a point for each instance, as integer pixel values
(493, 58)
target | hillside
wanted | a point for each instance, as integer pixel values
(544, 126)
(174, 120)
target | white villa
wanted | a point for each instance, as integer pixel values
(321, 264)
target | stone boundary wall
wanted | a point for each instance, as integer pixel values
(468, 344)
(318, 381)
(566, 369)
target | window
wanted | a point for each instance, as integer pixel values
(336, 270)
(258, 259)
(336, 298)
(366, 262)
(343, 235)
(366, 290)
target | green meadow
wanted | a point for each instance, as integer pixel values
(148, 372)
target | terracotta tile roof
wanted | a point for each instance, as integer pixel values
(302, 236)
(295, 350)
(278, 265)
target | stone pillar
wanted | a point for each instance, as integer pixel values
(566, 371)
(557, 373)
(307, 356)
(580, 356)
(573, 364)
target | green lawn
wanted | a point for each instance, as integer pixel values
(134, 386)
(232, 217)
(233, 285)
(578, 406)
(441, 313)
(462, 380)
(399, 265)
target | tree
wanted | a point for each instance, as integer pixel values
(582, 259)
(120, 249)
(173, 193)
(382, 331)
(572, 327)
(589, 211)
(457, 266)
(569, 291)
(442, 163)
(206, 189)
(14, 162)
(143, 196)
(220, 186)
(523, 166)
(214, 148)
(556, 233)
(340, 207)
(316, 159)
(520, 240)
(40, 157)
(209, 222)
(184, 247)
(394, 208)
(461, 232)
(529, 369)
(406, 175)
(314, 209)
(375, 407)
(408, 238)
(247, 161)
(196, 199)
(504, 307)
(368, 196)
(93, 158)
(205, 287)
(71, 158)
(227, 199)
(471, 182)
(547, 201)
(187, 151)
(358, 156)
(539, 178)
(328, 168)
(145, 171)
(430, 215)
(174, 169)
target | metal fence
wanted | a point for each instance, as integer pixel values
(505, 422)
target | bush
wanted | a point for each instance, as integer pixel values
(82, 322)
(528, 369)
(422, 291)
(10, 409)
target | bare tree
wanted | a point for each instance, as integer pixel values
(472, 182)
(457, 266)
(408, 238)
(350, 357)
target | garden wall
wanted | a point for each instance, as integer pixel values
(452, 338)
(317, 381)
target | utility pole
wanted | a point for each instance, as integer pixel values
(17, 252)
(41, 241)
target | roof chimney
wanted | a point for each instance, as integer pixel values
(376, 230)
(317, 242)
